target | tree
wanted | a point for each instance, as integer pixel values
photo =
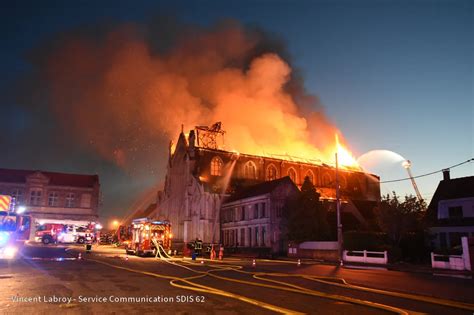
(400, 218)
(306, 216)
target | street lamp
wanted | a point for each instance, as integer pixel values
(338, 213)
(20, 209)
(115, 223)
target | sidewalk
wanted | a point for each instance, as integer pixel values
(404, 267)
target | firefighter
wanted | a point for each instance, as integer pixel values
(213, 253)
(221, 252)
(198, 246)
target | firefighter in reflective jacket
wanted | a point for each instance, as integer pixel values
(198, 247)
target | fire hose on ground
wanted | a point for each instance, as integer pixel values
(174, 281)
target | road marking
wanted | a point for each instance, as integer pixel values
(206, 289)
(421, 298)
(295, 289)
(232, 266)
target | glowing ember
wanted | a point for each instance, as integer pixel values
(344, 156)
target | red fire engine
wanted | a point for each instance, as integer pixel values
(145, 232)
(14, 231)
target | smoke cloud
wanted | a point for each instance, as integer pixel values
(124, 91)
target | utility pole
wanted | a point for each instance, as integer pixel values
(338, 212)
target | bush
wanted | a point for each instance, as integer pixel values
(365, 240)
(413, 248)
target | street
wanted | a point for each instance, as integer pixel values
(49, 279)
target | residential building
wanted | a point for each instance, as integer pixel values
(451, 211)
(52, 196)
(252, 218)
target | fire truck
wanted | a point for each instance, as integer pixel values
(145, 232)
(65, 231)
(123, 235)
(14, 231)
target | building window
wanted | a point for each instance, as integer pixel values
(17, 195)
(443, 243)
(250, 170)
(250, 237)
(262, 213)
(53, 199)
(255, 211)
(455, 212)
(256, 236)
(86, 201)
(292, 174)
(310, 176)
(326, 180)
(242, 214)
(271, 172)
(242, 237)
(264, 235)
(216, 166)
(70, 200)
(278, 204)
(35, 197)
(342, 182)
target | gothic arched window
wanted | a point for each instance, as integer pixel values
(292, 174)
(310, 176)
(271, 172)
(216, 166)
(342, 181)
(326, 180)
(250, 170)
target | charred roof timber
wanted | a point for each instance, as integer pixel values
(207, 137)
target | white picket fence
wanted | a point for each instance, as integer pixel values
(365, 256)
(454, 262)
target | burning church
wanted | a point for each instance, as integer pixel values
(203, 184)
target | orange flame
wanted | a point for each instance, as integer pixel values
(344, 156)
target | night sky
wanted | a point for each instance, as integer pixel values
(394, 75)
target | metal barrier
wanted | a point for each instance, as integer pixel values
(365, 256)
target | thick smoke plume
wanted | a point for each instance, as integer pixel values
(124, 90)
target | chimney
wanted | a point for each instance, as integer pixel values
(446, 174)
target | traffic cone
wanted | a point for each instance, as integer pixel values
(254, 263)
(126, 257)
(79, 257)
(299, 262)
(202, 261)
